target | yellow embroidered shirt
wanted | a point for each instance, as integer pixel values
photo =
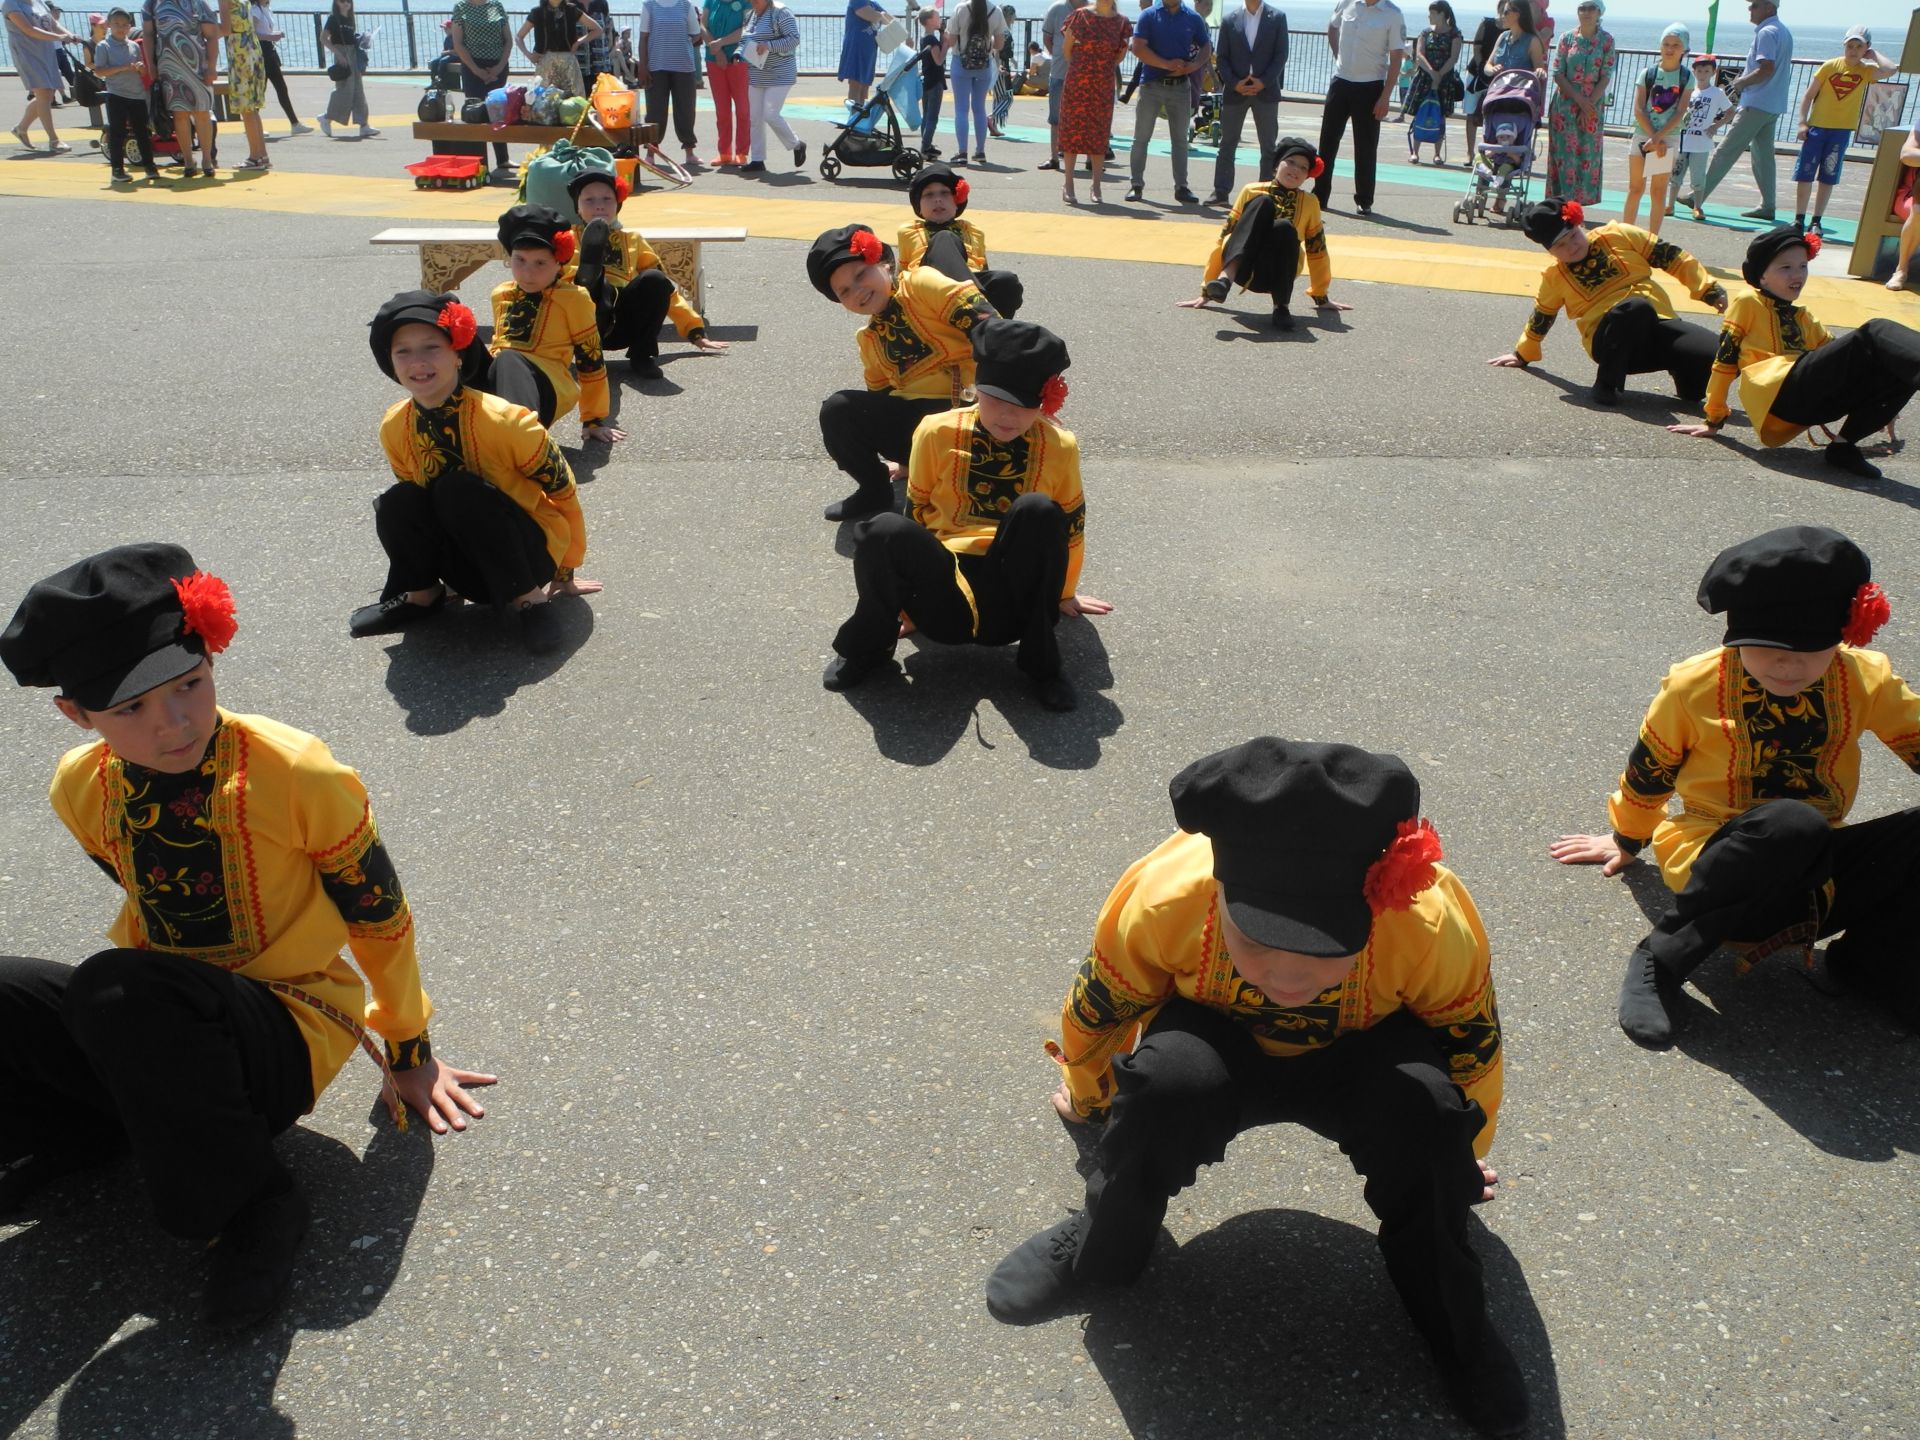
(1619, 264)
(628, 255)
(961, 481)
(913, 240)
(504, 444)
(558, 331)
(1721, 743)
(1760, 338)
(1159, 936)
(921, 346)
(1301, 209)
(264, 860)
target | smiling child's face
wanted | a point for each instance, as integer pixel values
(863, 289)
(425, 362)
(165, 728)
(1293, 172)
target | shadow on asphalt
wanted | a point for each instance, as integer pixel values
(127, 1339)
(468, 664)
(1284, 1322)
(920, 712)
(1828, 1064)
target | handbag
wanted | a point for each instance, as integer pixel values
(548, 173)
(474, 112)
(339, 71)
(433, 107)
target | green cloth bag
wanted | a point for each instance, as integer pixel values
(547, 175)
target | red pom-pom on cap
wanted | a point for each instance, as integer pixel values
(206, 606)
(621, 190)
(866, 245)
(1317, 169)
(1053, 395)
(1397, 877)
(563, 245)
(961, 189)
(1813, 244)
(457, 320)
(1870, 610)
(1573, 213)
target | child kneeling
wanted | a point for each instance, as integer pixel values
(1274, 227)
(249, 857)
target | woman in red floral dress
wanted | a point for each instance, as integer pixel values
(1094, 40)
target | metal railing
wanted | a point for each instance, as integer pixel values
(406, 40)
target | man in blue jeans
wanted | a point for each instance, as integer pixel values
(1761, 90)
(1171, 42)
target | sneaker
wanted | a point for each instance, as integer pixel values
(120, 177)
(1488, 1389)
(800, 156)
(593, 256)
(979, 157)
(1814, 228)
(1368, 209)
(152, 172)
(1648, 1001)
(326, 126)
(1186, 196)
(539, 627)
(843, 673)
(367, 132)
(399, 613)
(1056, 693)
(251, 1264)
(1032, 1282)
(1216, 289)
(959, 161)
(860, 503)
(1282, 318)
(1216, 198)
(1133, 193)
(1845, 455)
(300, 128)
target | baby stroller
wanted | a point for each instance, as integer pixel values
(1503, 166)
(1206, 118)
(871, 135)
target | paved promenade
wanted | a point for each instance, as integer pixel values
(767, 972)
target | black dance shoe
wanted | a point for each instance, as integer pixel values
(1216, 289)
(1488, 1389)
(1649, 1001)
(1845, 455)
(1037, 1279)
(252, 1261)
(1605, 392)
(843, 673)
(859, 504)
(539, 627)
(593, 257)
(1282, 318)
(399, 613)
(1056, 693)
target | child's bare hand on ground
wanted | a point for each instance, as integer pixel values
(1508, 361)
(1696, 431)
(1199, 302)
(605, 433)
(437, 1093)
(575, 585)
(1063, 1107)
(1088, 605)
(711, 347)
(1489, 1178)
(1591, 850)
(1328, 303)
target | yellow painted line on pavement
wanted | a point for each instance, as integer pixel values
(1380, 259)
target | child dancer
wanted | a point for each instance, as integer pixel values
(1295, 955)
(1604, 278)
(1760, 740)
(916, 349)
(631, 293)
(1793, 374)
(546, 336)
(1274, 227)
(939, 197)
(991, 554)
(249, 857)
(483, 502)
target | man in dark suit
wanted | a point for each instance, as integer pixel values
(1252, 53)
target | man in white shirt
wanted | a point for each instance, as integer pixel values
(1369, 42)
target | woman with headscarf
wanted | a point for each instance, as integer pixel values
(1576, 138)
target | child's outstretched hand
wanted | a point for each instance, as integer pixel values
(1199, 302)
(1327, 302)
(711, 347)
(1591, 850)
(1696, 431)
(436, 1093)
(1088, 605)
(605, 433)
(575, 585)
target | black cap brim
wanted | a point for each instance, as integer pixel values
(113, 689)
(1315, 925)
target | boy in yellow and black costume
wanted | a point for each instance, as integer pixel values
(939, 198)
(916, 353)
(1603, 278)
(546, 335)
(990, 551)
(483, 502)
(1295, 954)
(632, 294)
(249, 858)
(1759, 740)
(1273, 231)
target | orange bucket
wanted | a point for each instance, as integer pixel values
(615, 109)
(626, 169)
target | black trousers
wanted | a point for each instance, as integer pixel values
(899, 564)
(476, 87)
(464, 531)
(679, 86)
(631, 320)
(512, 376)
(1003, 289)
(1197, 1079)
(1350, 102)
(863, 429)
(1267, 249)
(1634, 339)
(193, 1067)
(1868, 375)
(126, 117)
(270, 58)
(1760, 878)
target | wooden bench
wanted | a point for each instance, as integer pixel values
(449, 256)
(587, 133)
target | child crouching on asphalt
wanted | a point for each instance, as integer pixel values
(1274, 227)
(939, 197)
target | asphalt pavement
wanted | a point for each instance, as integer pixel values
(766, 972)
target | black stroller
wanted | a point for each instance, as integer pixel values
(871, 136)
